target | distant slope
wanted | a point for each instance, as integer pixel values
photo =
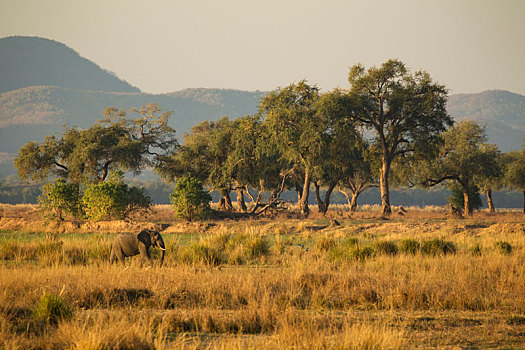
(29, 114)
(236, 101)
(502, 112)
(32, 61)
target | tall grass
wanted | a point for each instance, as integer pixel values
(244, 285)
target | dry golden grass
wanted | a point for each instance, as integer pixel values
(264, 289)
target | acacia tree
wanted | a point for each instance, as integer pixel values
(202, 156)
(254, 163)
(341, 145)
(515, 171)
(405, 111)
(289, 116)
(462, 158)
(89, 155)
(492, 179)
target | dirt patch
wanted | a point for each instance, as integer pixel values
(117, 226)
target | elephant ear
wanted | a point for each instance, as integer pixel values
(145, 237)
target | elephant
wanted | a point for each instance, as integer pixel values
(129, 244)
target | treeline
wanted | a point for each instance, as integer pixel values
(300, 140)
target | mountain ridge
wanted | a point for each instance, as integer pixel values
(33, 61)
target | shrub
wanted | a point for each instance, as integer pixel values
(410, 246)
(51, 308)
(108, 200)
(60, 199)
(503, 247)
(189, 200)
(385, 247)
(350, 253)
(438, 246)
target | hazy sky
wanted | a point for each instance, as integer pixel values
(162, 46)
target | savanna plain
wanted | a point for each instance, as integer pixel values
(420, 279)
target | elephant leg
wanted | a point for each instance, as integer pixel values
(144, 254)
(113, 257)
(117, 251)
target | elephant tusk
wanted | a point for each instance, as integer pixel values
(162, 248)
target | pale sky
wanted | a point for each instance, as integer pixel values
(162, 46)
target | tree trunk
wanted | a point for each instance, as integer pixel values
(324, 204)
(298, 190)
(383, 184)
(490, 202)
(225, 203)
(303, 202)
(241, 204)
(466, 200)
(524, 202)
(353, 203)
(320, 204)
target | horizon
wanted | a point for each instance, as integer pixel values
(470, 46)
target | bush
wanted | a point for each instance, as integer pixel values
(108, 200)
(409, 246)
(51, 309)
(438, 246)
(385, 247)
(503, 247)
(189, 200)
(60, 199)
(350, 253)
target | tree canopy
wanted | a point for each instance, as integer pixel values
(405, 111)
(463, 157)
(114, 143)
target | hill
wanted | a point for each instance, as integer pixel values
(502, 112)
(32, 113)
(32, 61)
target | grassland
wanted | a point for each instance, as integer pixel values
(419, 280)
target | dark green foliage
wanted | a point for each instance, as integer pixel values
(89, 155)
(189, 199)
(456, 197)
(350, 253)
(108, 200)
(59, 200)
(503, 247)
(406, 111)
(385, 248)
(409, 246)
(463, 158)
(52, 308)
(437, 247)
